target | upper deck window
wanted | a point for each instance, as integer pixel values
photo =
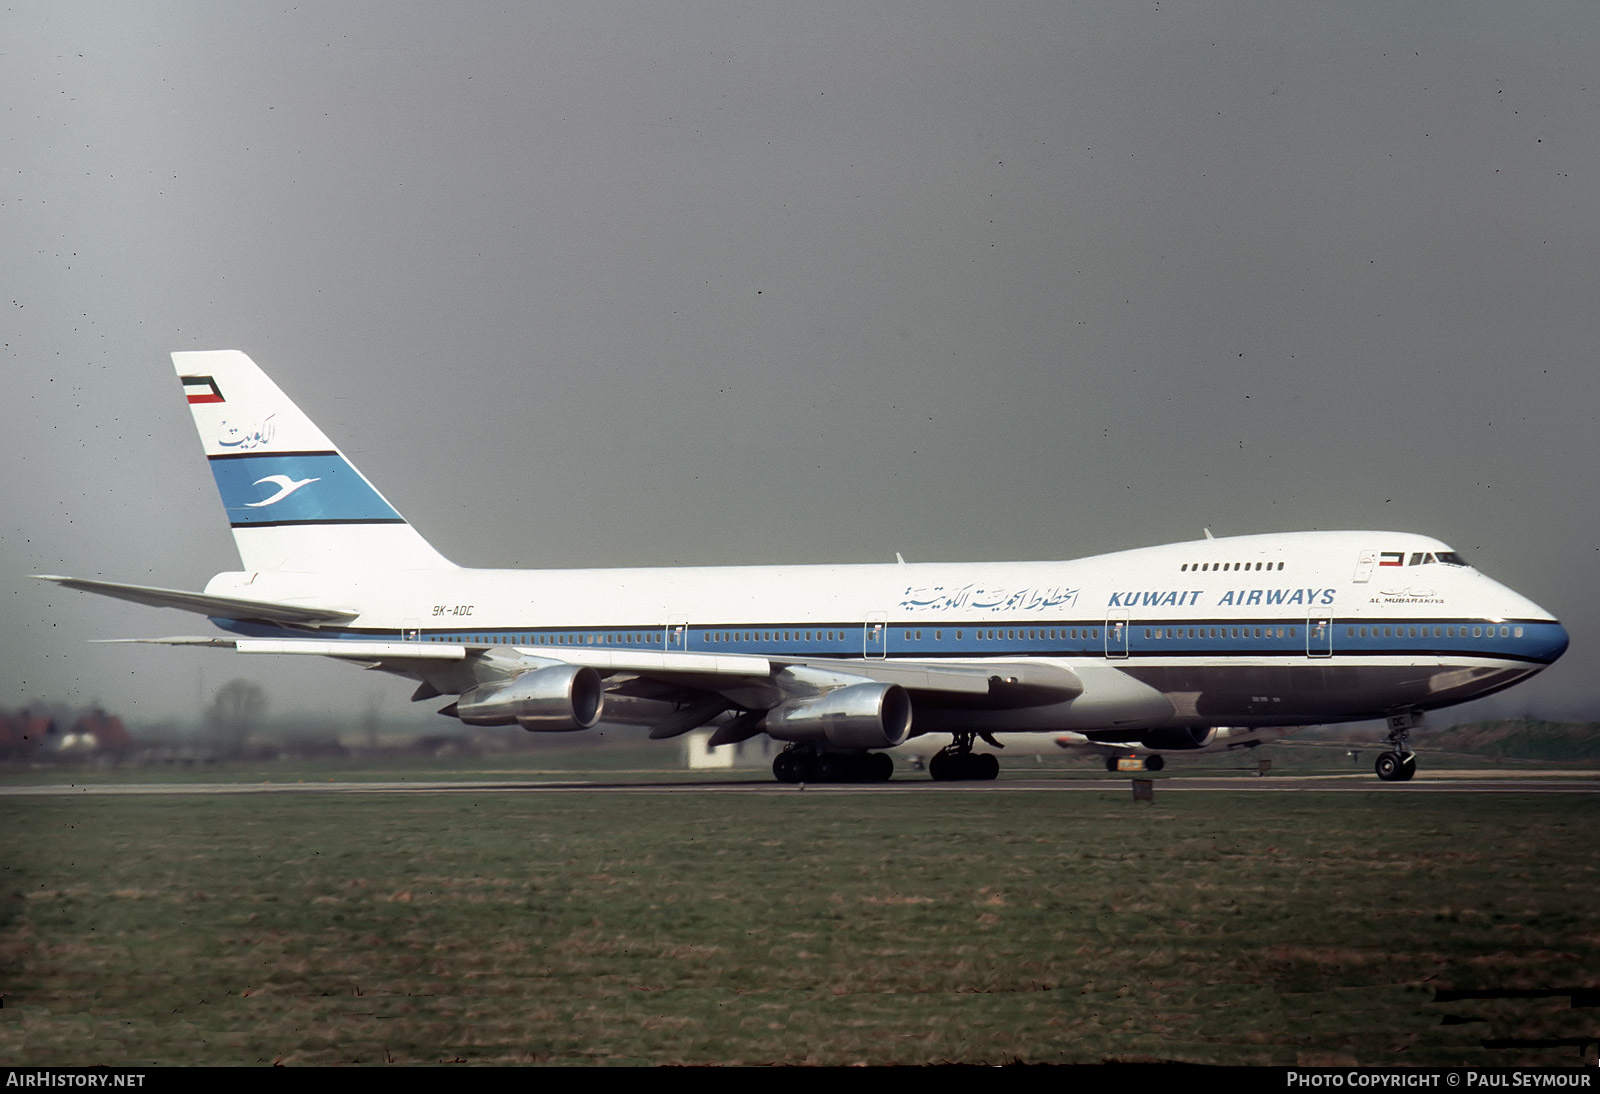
(1207, 567)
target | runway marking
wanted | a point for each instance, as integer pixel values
(1466, 783)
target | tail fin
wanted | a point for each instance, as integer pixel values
(293, 500)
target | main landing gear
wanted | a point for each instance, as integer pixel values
(808, 764)
(1399, 764)
(957, 761)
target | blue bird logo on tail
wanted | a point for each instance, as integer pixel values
(286, 486)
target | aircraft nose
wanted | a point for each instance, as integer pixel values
(1542, 637)
(1555, 642)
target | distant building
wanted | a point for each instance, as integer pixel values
(25, 732)
(29, 733)
(97, 731)
(757, 752)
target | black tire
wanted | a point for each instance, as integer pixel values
(942, 767)
(1408, 769)
(1154, 762)
(1388, 767)
(786, 768)
(881, 767)
(985, 766)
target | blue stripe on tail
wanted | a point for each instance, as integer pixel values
(267, 489)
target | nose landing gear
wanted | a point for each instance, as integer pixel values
(1396, 767)
(1399, 764)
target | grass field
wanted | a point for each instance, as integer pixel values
(804, 927)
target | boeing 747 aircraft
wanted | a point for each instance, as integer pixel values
(1166, 648)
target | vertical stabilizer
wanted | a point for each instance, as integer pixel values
(293, 501)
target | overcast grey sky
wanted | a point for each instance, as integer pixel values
(600, 284)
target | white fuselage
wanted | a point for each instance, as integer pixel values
(1280, 629)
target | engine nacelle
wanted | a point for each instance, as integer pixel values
(857, 716)
(554, 699)
(1177, 740)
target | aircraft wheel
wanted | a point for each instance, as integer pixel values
(1154, 762)
(1111, 764)
(942, 767)
(985, 766)
(1388, 767)
(788, 768)
(881, 767)
(1408, 768)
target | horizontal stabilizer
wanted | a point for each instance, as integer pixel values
(171, 640)
(217, 607)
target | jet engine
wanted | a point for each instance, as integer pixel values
(554, 699)
(857, 716)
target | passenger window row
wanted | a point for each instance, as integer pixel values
(1438, 632)
(654, 640)
(1203, 567)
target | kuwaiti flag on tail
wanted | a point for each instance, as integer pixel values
(201, 389)
(1392, 558)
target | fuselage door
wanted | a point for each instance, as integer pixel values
(1364, 564)
(875, 635)
(677, 635)
(1319, 636)
(1117, 627)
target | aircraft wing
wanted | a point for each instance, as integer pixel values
(216, 607)
(744, 681)
(666, 665)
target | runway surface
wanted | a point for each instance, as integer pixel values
(1439, 782)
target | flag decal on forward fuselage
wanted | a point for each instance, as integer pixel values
(201, 389)
(1388, 558)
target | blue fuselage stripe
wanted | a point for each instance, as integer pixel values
(1533, 641)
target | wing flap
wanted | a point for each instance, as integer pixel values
(911, 675)
(315, 647)
(358, 650)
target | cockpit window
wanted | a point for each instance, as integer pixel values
(1420, 558)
